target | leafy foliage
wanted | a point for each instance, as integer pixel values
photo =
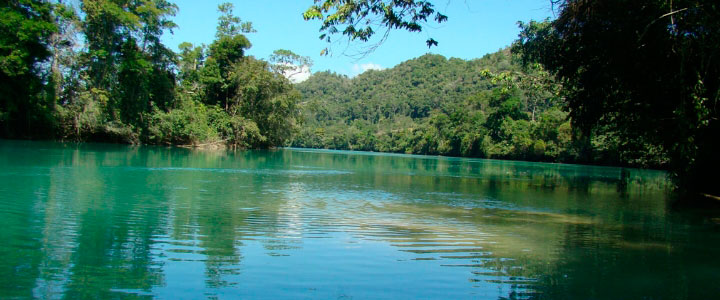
(289, 64)
(25, 29)
(647, 71)
(489, 107)
(124, 85)
(356, 19)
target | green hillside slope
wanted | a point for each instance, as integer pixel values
(489, 107)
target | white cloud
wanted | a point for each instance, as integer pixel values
(297, 74)
(358, 69)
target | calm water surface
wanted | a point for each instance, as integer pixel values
(119, 222)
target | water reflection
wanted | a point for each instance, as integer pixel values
(106, 221)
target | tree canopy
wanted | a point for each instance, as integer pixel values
(25, 30)
(617, 82)
(122, 84)
(358, 20)
(647, 70)
(490, 107)
(645, 73)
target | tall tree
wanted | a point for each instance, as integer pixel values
(63, 46)
(25, 28)
(125, 56)
(106, 25)
(290, 64)
(648, 70)
(227, 49)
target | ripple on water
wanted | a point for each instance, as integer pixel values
(120, 224)
(314, 172)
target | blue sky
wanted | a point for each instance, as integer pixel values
(474, 28)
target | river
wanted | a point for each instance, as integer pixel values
(126, 222)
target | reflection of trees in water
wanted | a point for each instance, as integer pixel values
(640, 261)
(119, 215)
(521, 246)
(54, 269)
(536, 175)
(90, 244)
(522, 249)
(288, 230)
(20, 234)
(110, 246)
(520, 226)
(237, 198)
(564, 256)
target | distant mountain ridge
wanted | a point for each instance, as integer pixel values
(491, 107)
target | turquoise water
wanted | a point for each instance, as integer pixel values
(121, 222)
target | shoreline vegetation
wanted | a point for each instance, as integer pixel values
(99, 72)
(491, 107)
(122, 85)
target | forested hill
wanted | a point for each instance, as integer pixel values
(489, 107)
